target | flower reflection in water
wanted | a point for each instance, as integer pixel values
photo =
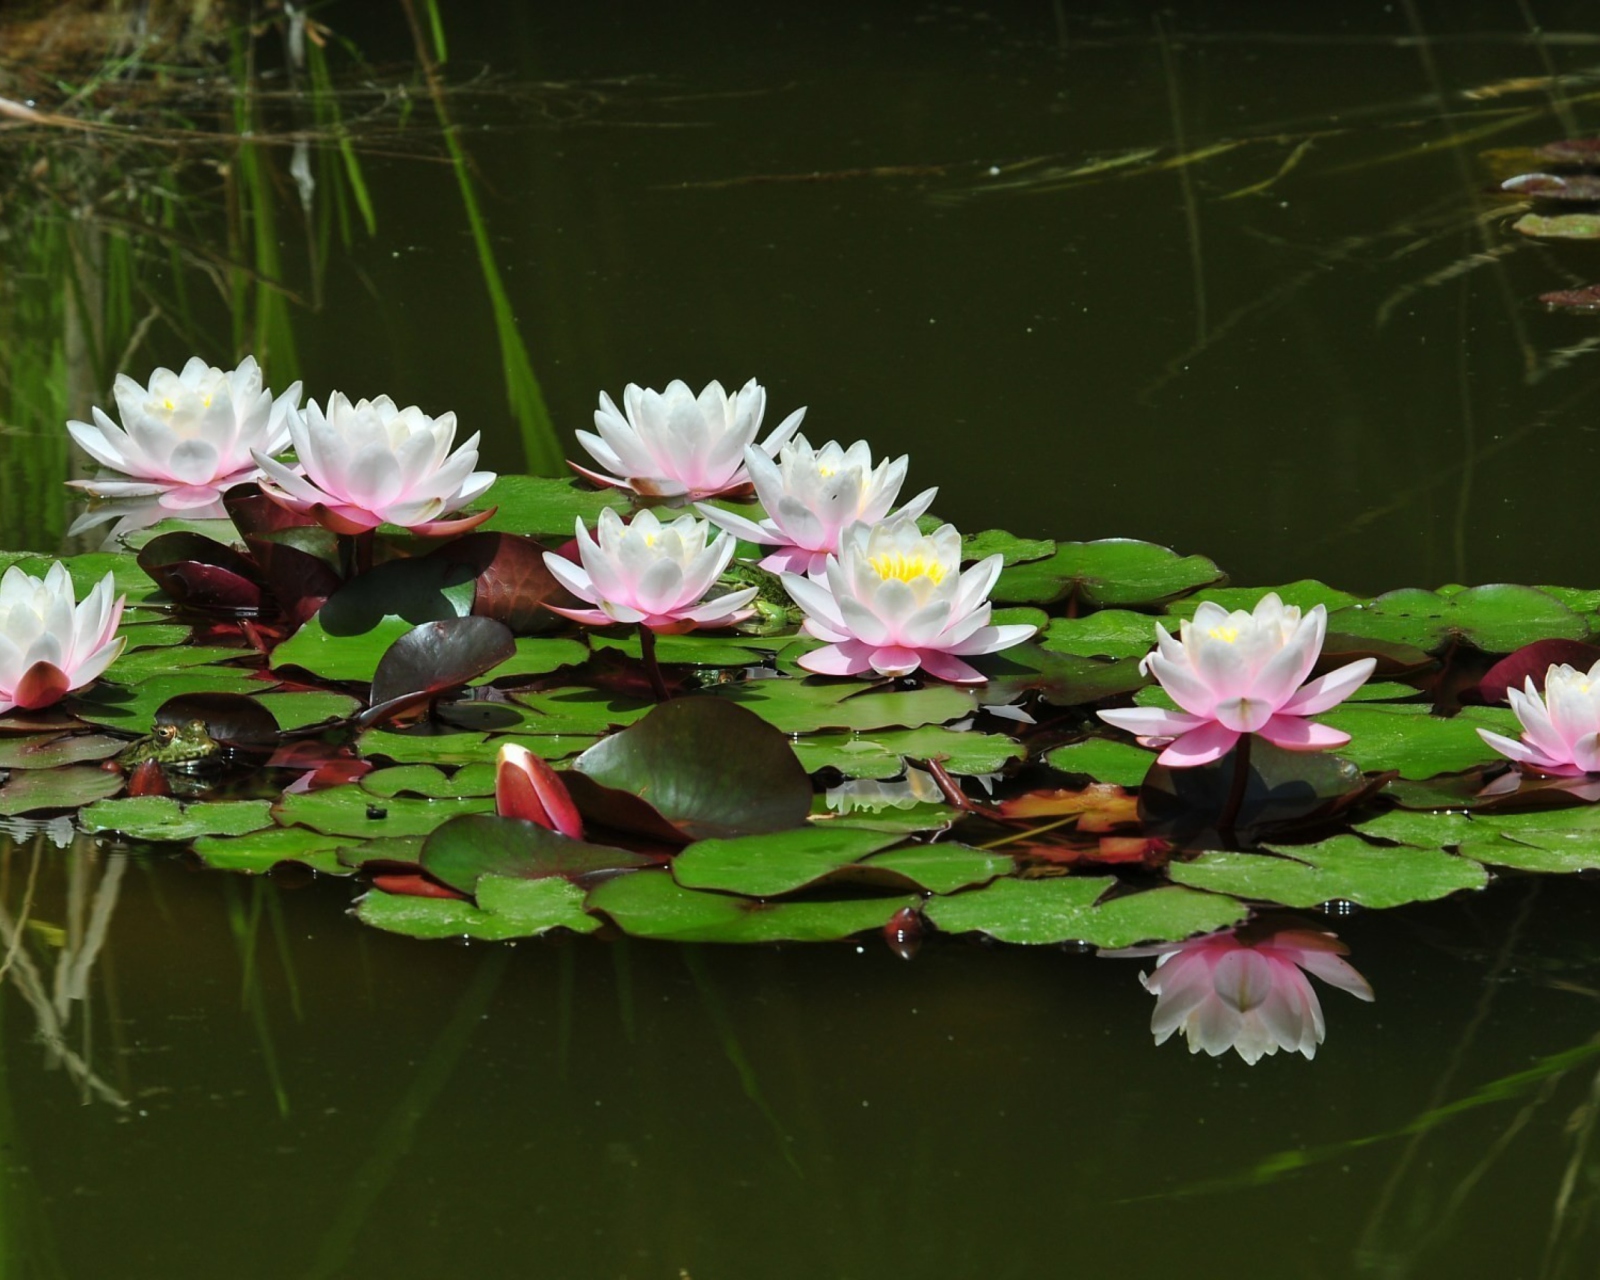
(1247, 989)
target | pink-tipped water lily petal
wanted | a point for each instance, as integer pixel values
(1528, 754)
(947, 666)
(795, 560)
(1203, 745)
(1327, 692)
(1152, 722)
(894, 660)
(848, 658)
(1293, 733)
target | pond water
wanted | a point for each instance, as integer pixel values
(1312, 350)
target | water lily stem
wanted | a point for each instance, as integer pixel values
(355, 553)
(647, 650)
(1237, 786)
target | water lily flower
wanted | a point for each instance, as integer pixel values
(1237, 673)
(894, 599)
(672, 443)
(371, 463)
(1245, 990)
(49, 643)
(186, 436)
(649, 572)
(811, 496)
(526, 787)
(1560, 731)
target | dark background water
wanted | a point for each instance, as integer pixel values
(750, 195)
(804, 194)
(356, 1104)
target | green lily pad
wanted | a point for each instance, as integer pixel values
(1343, 867)
(1111, 572)
(468, 848)
(35, 790)
(942, 868)
(1406, 737)
(52, 750)
(1110, 633)
(1546, 840)
(538, 656)
(765, 866)
(348, 810)
(1561, 226)
(132, 708)
(883, 755)
(1068, 909)
(136, 665)
(697, 648)
(806, 706)
(155, 635)
(1012, 549)
(1104, 760)
(339, 657)
(163, 818)
(650, 904)
(1497, 619)
(430, 781)
(261, 851)
(310, 706)
(911, 820)
(1062, 679)
(463, 748)
(540, 507)
(584, 712)
(506, 909)
(1304, 595)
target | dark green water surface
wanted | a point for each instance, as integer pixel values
(327, 1100)
(853, 204)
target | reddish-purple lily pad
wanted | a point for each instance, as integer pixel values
(704, 767)
(1534, 660)
(434, 657)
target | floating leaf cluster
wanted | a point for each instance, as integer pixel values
(271, 708)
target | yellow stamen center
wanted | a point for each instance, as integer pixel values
(1225, 634)
(906, 567)
(169, 404)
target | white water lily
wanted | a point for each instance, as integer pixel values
(1561, 730)
(653, 573)
(369, 463)
(186, 436)
(895, 599)
(1237, 673)
(673, 444)
(49, 643)
(812, 495)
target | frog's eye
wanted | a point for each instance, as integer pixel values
(166, 732)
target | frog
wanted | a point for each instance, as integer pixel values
(774, 611)
(186, 746)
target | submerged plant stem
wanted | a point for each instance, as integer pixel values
(647, 650)
(1237, 786)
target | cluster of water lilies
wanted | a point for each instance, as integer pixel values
(884, 595)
